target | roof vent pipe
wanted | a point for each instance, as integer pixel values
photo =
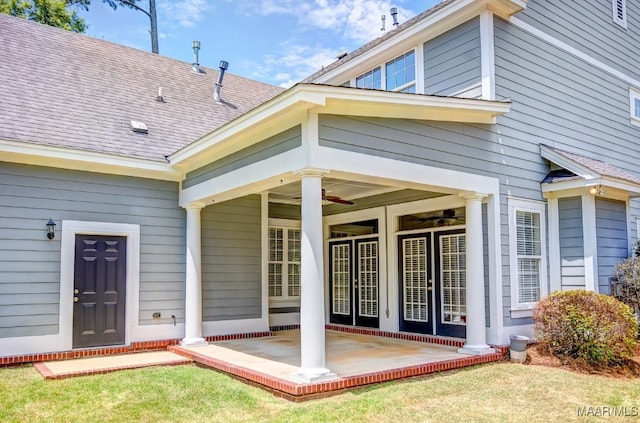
(223, 67)
(196, 48)
(394, 15)
(384, 18)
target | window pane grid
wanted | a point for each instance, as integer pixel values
(341, 264)
(371, 79)
(368, 278)
(453, 277)
(414, 270)
(284, 262)
(401, 71)
(529, 255)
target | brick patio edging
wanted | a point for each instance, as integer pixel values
(299, 392)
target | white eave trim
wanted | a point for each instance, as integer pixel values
(607, 182)
(431, 26)
(348, 101)
(67, 158)
(566, 163)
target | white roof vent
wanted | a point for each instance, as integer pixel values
(139, 127)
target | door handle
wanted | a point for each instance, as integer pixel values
(430, 285)
(75, 299)
(76, 291)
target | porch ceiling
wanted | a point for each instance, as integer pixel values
(345, 189)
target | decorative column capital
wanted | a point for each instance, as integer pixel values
(470, 195)
(311, 172)
(195, 205)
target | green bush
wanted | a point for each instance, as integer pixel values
(594, 328)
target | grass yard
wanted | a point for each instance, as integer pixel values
(497, 392)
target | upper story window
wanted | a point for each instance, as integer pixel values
(634, 106)
(371, 79)
(620, 12)
(401, 73)
(528, 252)
(398, 74)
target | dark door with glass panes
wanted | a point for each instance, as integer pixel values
(354, 282)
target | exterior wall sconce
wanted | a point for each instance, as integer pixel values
(597, 190)
(51, 229)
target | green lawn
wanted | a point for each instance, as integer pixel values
(497, 392)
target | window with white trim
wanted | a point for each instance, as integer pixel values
(398, 74)
(284, 262)
(634, 105)
(371, 79)
(527, 248)
(619, 8)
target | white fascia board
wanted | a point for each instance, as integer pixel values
(433, 25)
(606, 182)
(430, 27)
(66, 158)
(295, 96)
(287, 109)
(567, 163)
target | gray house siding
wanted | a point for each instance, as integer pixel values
(571, 243)
(475, 149)
(231, 260)
(588, 26)
(284, 141)
(452, 63)
(30, 263)
(589, 115)
(611, 235)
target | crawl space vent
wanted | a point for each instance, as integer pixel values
(139, 127)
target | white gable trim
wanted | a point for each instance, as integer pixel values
(293, 105)
(566, 163)
(574, 51)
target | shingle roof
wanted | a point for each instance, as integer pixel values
(70, 90)
(597, 166)
(390, 34)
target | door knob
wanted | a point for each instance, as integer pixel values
(75, 299)
(76, 291)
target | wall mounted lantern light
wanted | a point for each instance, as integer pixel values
(599, 190)
(51, 229)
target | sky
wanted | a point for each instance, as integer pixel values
(278, 42)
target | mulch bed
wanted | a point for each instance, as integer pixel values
(629, 369)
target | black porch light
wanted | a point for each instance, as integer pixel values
(51, 229)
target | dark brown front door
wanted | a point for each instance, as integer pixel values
(99, 290)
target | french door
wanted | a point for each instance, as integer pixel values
(354, 281)
(432, 276)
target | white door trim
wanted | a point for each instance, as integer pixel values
(71, 228)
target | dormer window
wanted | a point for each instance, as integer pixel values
(620, 12)
(371, 79)
(401, 73)
(398, 74)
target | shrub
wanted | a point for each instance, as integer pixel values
(594, 328)
(626, 286)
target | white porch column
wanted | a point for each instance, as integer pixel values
(193, 289)
(476, 326)
(312, 340)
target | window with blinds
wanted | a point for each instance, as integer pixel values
(529, 255)
(284, 262)
(527, 245)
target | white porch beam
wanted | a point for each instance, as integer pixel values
(312, 339)
(193, 288)
(476, 327)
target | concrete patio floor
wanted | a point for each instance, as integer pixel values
(272, 362)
